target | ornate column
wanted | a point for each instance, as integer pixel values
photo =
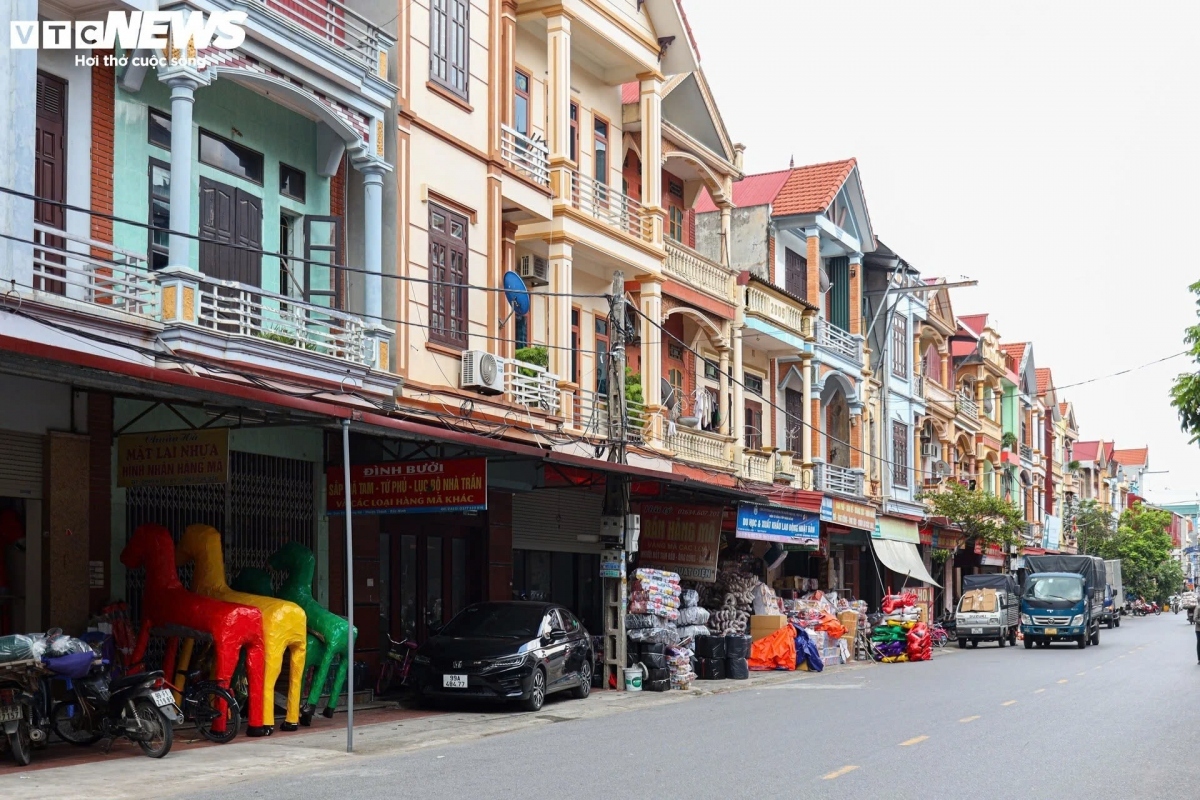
(652, 370)
(183, 81)
(808, 434)
(559, 323)
(813, 287)
(739, 398)
(558, 102)
(723, 399)
(372, 173)
(651, 85)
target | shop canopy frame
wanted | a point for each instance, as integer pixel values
(903, 559)
(328, 410)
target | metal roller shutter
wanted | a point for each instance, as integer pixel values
(21, 464)
(550, 519)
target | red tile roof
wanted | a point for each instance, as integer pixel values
(1015, 350)
(1085, 451)
(799, 190)
(1044, 380)
(976, 322)
(1062, 409)
(811, 189)
(1133, 457)
(630, 92)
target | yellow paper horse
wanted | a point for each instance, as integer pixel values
(284, 623)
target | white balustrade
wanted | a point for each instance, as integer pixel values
(760, 467)
(697, 271)
(113, 278)
(784, 313)
(693, 444)
(968, 406)
(527, 156)
(846, 344)
(331, 23)
(834, 478)
(608, 205)
(531, 385)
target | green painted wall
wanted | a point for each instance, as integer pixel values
(276, 132)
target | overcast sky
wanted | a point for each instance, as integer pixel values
(1049, 150)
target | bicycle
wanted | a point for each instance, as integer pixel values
(211, 706)
(396, 664)
(938, 634)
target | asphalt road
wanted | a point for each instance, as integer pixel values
(1115, 721)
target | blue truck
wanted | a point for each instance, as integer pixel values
(1063, 600)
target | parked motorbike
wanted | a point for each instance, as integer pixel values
(137, 707)
(19, 688)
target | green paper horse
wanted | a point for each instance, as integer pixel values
(258, 581)
(328, 631)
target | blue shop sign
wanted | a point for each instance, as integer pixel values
(776, 524)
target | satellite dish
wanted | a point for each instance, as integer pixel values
(516, 293)
(669, 398)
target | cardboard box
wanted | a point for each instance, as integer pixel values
(763, 625)
(849, 620)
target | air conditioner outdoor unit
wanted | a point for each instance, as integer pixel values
(926, 448)
(482, 371)
(535, 270)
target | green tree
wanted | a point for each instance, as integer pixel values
(1095, 529)
(1185, 394)
(981, 517)
(1143, 544)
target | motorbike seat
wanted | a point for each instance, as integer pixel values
(130, 680)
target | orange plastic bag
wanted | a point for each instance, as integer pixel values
(832, 625)
(777, 651)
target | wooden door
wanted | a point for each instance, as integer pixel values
(217, 204)
(793, 404)
(795, 273)
(247, 232)
(50, 179)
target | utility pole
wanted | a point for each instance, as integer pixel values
(618, 412)
(616, 532)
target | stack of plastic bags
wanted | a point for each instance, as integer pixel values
(655, 591)
(679, 662)
(693, 619)
(901, 636)
(920, 643)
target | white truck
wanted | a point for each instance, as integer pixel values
(1114, 594)
(988, 611)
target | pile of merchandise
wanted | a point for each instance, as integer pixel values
(900, 635)
(652, 656)
(693, 618)
(722, 657)
(817, 614)
(731, 599)
(653, 607)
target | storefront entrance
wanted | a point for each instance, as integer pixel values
(432, 567)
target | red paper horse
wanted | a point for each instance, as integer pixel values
(166, 604)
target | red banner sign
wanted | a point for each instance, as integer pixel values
(409, 487)
(681, 538)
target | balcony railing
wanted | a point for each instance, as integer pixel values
(243, 310)
(760, 467)
(118, 280)
(772, 308)
(833, 478)
(845, 344)
(589, 413)
(919, 385)
(332, 24)
(608, 205)
(531, 386)
(701, 447)
(695, 270)
(527, 156)
(1033, 533)
(1026, 452)
(967, 406)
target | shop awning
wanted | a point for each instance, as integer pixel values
(903, 559)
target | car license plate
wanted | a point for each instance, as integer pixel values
(454, 681)
(976, 630)
(11, 713)
(1051, 631)
(162, 697)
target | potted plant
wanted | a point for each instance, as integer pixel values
(1010, 442)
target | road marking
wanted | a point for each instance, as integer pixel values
(914, 740)
(1097, 667)
(1080, 674)
(1038, 691)
(1009, 703)
(837, 773)
(969, 719)
(1064, 680)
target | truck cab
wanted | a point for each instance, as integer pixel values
(1058, 607)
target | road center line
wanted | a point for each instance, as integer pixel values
(914, 740)
(1009, 703)
(969, 719)
(1038, 691)
(1064, 680)
(837, 773)
(1080, 674)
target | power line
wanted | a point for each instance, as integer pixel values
(258, 251)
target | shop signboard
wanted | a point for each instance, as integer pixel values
(896, 530)
(173, 458)
(409, 487)
(681, 538)
(850, 514)
(1051, 532)
(776, 524)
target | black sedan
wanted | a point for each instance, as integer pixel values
(507, 651)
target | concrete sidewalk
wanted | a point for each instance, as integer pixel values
(196, 766)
